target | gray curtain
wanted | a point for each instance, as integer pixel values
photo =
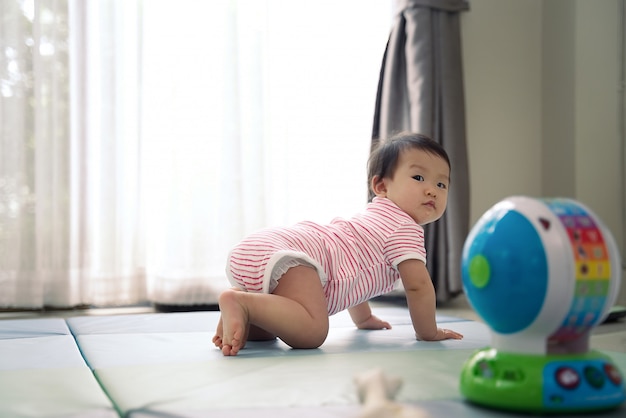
(421, 90)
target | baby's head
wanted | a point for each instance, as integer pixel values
(412, 171)
(384, 158)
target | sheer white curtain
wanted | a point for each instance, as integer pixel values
(69, 200)
(264, 120)
(33, 117)
(162, 134)
(106, 243)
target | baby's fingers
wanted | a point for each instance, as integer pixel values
(452, 335)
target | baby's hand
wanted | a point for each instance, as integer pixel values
(443, 334)
(373, 322)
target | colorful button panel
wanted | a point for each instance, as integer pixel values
(592, 268)
(581, 383)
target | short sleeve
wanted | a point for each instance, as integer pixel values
(405, 243)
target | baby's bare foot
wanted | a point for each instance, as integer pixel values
(234, 322)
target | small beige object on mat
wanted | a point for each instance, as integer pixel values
(377, 392)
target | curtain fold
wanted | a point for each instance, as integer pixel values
(421, 90)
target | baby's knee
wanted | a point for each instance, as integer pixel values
(314, 338)
(310, 342)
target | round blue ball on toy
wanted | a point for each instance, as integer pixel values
(505, 270)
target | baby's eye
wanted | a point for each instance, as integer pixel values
(442, 185)
(418, 178)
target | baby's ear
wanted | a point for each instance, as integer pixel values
(378, 186)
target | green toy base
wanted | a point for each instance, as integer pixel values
(542, 384)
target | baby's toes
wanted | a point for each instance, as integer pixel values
(217, 340)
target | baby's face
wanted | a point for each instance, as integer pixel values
(419, 185)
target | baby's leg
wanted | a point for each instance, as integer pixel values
(258, 334)
(296, 312)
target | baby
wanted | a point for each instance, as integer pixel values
(288, 281)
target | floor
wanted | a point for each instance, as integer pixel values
(608, 336)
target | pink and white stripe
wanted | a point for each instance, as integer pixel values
(356, 259)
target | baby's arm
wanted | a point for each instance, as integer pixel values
(362, 317)
(420, 297)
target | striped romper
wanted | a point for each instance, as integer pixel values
(356, 259)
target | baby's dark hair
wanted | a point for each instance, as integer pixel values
(384, 157)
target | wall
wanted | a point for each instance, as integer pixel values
(502, 70)
(542, 89)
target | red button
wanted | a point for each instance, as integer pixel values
(567, 377)
(613, 374)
